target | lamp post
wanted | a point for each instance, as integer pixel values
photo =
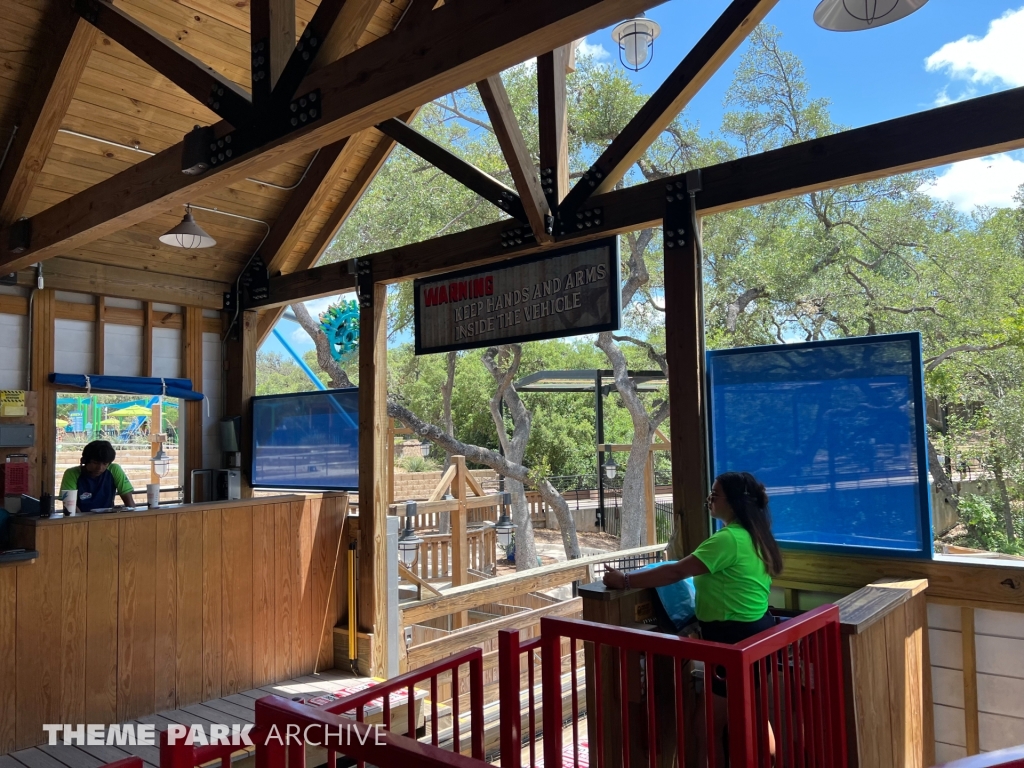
(425, 449)
(408, 541)
(504, 529)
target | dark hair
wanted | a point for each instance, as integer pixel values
(749, 502)
(99, 450)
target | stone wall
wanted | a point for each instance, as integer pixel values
(419, 485)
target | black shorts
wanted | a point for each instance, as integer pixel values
(731, 632)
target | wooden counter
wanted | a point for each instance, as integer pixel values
(132, 613)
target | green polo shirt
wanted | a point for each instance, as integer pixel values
(69, 482)
(736, 587)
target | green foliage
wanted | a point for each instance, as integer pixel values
(418, 464)
(985, 529)
(276, 375)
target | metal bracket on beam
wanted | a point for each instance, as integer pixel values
(677, 223)
(303, 110)
(260, 61)
(363, 270)
(581, 220)
(513, 238)
(256, 280)
(20, 235)
(88, 10)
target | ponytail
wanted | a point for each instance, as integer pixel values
(749, 501)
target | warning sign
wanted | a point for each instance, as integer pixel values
(12, 403)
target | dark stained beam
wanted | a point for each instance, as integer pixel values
(553, 123)
(467, 174)
(352, 195)
(706, 58)
(68, 43)
(400, 71)
(936, 137)
(517, 155)
(418, 12)
(272, 34)
(344, 35)
(201, 82)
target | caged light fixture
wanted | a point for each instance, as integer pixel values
(635, 38)
(188, 234)
(857, 15)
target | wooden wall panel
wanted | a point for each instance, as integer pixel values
(325, 540)
(237, 597)
(8, 666)
(38, 645)
(188, 652)
(166, 615)
(136, 625)
(305, 645)
(74, 616)
(285, 604)
(101, 623)
(263, 591)
(212, 585)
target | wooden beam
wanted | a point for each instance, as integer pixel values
(272, 35)
(961, 131)
(199, 80)
(68, 41)
(467, 174)
(553, 123)
(100, 344)
(241, 387)
(373, 423)
(66, 274)
(400, 71)
(706, 58)
(352, 195)
(970, 672)
(684, 351)
(192, 365)
(333, 32)
(147, 338)
(419, 11)
(517, 155)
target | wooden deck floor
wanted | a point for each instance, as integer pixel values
(238, 708)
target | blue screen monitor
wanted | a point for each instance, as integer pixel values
(306, 441)
(836, 432)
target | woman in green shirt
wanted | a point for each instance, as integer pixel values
(732, 570)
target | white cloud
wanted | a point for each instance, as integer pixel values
(983, 181)
(993, 60)
(596, 51)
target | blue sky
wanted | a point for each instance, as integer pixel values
(947, 51)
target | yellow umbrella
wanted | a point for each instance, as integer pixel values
(61, 423)
(131, 411)
(110, 423)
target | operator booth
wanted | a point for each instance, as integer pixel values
(836, 432)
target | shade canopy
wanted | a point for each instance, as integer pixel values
(858, 15)
(131, 412)
(110, 423)
(62, 423)
(130, 385)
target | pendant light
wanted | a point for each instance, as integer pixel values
(635, 38)
(188, 234)
(857, 15)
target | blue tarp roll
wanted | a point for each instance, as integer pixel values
(131, 385)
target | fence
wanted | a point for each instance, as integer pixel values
(434, 561)
(785, 690)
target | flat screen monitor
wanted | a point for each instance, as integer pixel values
(306, 440)
(836, 432)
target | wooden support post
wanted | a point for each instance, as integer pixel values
(155, 420)
(684, 341)
(460, 555)
(44, 310)
(147, 338)
(272, 32)
(99, 344)
(373, 414)
(553, 123)
(970, 665)
(241, 387)
(192, 412)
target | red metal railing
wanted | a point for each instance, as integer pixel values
(182, 755)
(785, 683)
(1003, 758)
(510, 704)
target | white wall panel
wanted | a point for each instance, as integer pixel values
(14, 346)
(947, 753)
(948, 687)
(122, 350)
(213, 389)
(157, 307)
(74, 298)
(1001, 695)
(946, 649)
(999, 656)
(950, 726)
(167, 352)
(944, 616)
(74, 345)
(999, 623)
(112, 301)
(998, 732)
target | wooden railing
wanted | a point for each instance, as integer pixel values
(434, 562)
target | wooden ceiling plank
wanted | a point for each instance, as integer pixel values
(67, 53)
(272, 33)
(936, 137)
(517, 155)
(199, 80)
(418, 12)
(704, 60)
(400, 71)
(467, 174)
(553, 123)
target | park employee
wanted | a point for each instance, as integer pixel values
(97, 478)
